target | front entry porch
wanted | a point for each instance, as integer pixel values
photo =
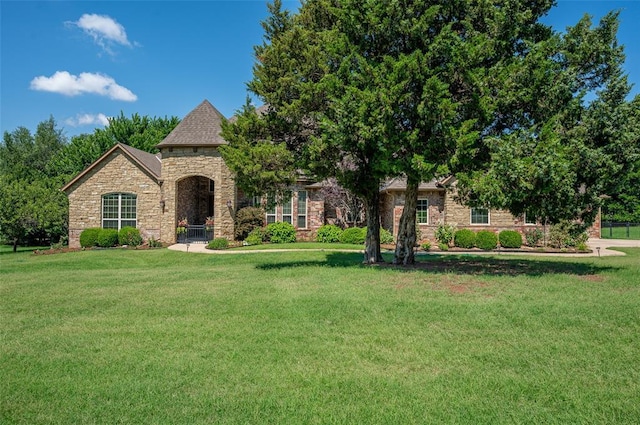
(196, 233)
(195, 206)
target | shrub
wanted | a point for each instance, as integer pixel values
(89, 237)
(487, 240)
(129, 236)
(533, 237)
(154, 243)
(566, 234)
(444, 233)
(256, 236)
(510, 239)
(426, 245)
(107, 238)
(385, 236)
(354, 235)
(247, 219)
(443, 246)
(281, 232)
(218, 243)
(464, 238)
(329, 233)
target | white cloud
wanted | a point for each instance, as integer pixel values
(104, 30)
(87, 119)
(71, 85)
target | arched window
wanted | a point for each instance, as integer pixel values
(119, 210)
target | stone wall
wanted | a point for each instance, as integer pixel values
(393, 205)
(179, 163)
(115, 174)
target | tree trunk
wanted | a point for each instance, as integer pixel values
(406, 238)
(15, 245)
(372, 253)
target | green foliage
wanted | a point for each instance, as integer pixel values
(247, 219)
(487, 240)
(426, 246)
(464, 238)
(107, 238)
(129, 236)
(281, 232)
(218, 243)
(444, 233)
(154, 243)
(89, 237)
(510, 239)
(533, 237)
(256, 236)
(354, 235)
(329, 233)
(443, 246)
(567, 234)
(385, 236)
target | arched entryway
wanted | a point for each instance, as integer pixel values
(195, 203)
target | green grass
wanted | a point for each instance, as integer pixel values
(303, 245)
(620, 232)
(8, 249)
(165, 337)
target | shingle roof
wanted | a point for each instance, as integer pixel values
(201, 127)
(400, 183)
(145, 160)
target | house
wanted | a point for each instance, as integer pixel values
(188, 179)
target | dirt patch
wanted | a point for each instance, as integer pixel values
(593, 278)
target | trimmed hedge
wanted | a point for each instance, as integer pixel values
(256, 236)
(107, 238)
(89, 237)
(281, 232)
(129, 236)
(386, 237)
(354, 235)
(486, 240)
(218, 243)
(329, 233)
(510, 239)
(464, 238)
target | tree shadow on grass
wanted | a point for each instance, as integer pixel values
(459, 264)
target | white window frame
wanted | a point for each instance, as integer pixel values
(303, 214)
(119, 219)
(271, 215)
(427, 210)
(528, 223)
(479, 224)
(287, 217)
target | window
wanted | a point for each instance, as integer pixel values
(119, 210)
(479, 216)
(287, 211)
(530, 219)
(302, 209)
(422, 211)
(271, 211)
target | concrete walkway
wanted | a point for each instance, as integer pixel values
(594, 244)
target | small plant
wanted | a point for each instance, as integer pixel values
(154, 243)
(354, 235)
(582, 246)
(218, 243)
(464, 238)
(208, 223)
(89, 237)
(533, 237)
(256, 236)
(443, 246)
(486, 240)
(444, 233)
(247, 219)
(281, 232)
(510, 239)
(129, 236)
(183, 222)
(426, 246)
(386, 237)
(329, 233)
(107, 238)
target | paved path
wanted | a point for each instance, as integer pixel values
(594, 244)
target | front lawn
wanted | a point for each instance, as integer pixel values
(303, 245)
(166, 337)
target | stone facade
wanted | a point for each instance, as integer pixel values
(114, 174)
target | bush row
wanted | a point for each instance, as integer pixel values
(106, 238)
(279, 232)
(330, 233)
(486, 239)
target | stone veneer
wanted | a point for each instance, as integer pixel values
(115, 174)
(179, 163)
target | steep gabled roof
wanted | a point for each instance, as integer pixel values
(148, 162)
(201, 127)
(400, 184)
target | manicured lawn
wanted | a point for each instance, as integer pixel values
(157, 336)
(8, 249)
(633, 232)
(302, 245)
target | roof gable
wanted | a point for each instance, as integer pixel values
(400, 184)
(201, 127)
(148, 162)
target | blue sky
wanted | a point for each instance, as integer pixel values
(83, 61)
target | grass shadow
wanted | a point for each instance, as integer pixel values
(459, 264)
